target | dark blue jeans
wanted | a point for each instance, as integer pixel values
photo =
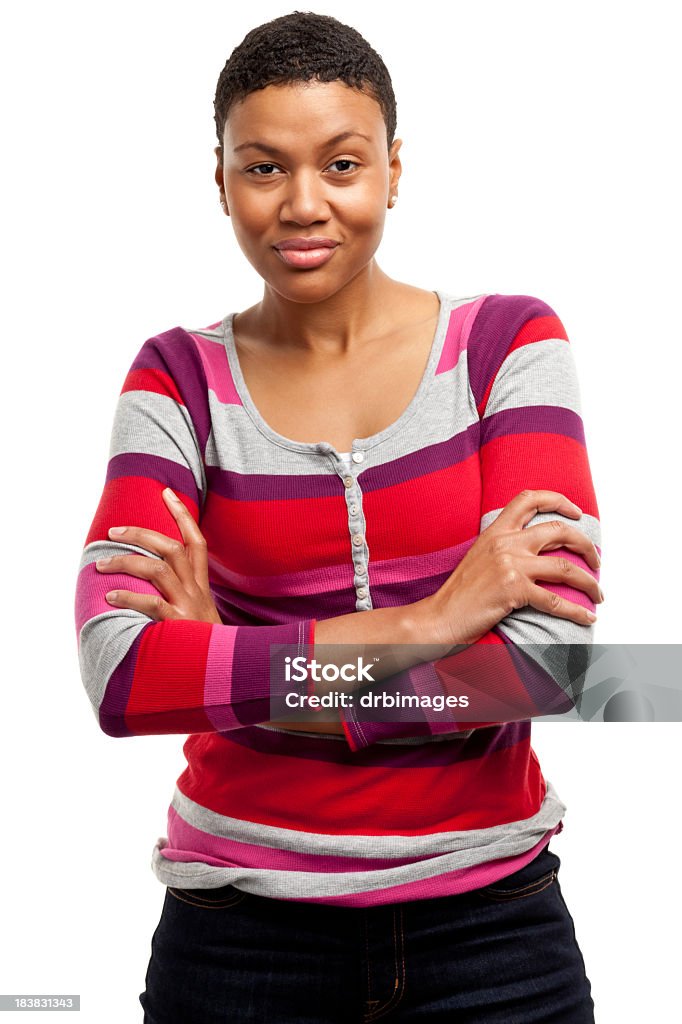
(504, 954)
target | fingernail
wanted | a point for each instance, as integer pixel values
(102, 561)
(171, 494)
(591, 616)
(112, 595)
(601, 593)
(118, 530)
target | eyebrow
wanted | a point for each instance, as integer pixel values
(274, 151)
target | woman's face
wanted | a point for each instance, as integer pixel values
(284, 176)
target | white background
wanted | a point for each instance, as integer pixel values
(539, 157)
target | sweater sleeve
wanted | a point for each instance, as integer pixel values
(524, 385)
(144, 676)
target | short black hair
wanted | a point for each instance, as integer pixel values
(298, 47)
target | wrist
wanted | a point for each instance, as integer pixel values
(425, 626)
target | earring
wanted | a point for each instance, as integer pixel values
(224, 205)
(394, 200)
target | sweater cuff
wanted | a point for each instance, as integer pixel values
(408, 717)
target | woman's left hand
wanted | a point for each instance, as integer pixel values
(180, 574)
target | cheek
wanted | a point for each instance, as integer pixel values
(362, 214)
(252, 212)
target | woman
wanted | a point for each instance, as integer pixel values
(348, 444)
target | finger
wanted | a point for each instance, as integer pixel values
(149, 604)
(527, 503)
(191, 534)
(169, 549)
(159, 573)
(548, 601)
(554, 533)
(561, 570)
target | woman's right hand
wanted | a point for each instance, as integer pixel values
(498, 572)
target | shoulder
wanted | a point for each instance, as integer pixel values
(504, 324)
(180, 364)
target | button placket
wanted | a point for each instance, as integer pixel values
(356, 528)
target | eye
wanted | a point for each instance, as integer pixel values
(343, 160)
(252, 169)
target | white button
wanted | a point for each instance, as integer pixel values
(348, 481)
(357, 539)
(360, 570)
(358, 457)
(362, 592)
(354, 510)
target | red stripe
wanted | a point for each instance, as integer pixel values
(169, 673)
(273, 537)
(409, 518)
(412, 518)
(540, 461)
(151, 380)
(295, 793)
(136, 501)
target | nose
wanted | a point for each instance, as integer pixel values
(304, 200)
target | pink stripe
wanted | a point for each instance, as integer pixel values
(414, 567)
(294, 584)
(186, 843)
(217, 369)
(93, 585)
(340, 577)
(572, 594)
(457, 337)
(218, 680)
(449, 884)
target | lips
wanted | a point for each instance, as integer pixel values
(301, 244)
(306, 253)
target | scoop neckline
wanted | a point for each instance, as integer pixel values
(359, 443)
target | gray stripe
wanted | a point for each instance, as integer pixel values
(542, 373)
(152, 424)
(103, 643)
(321, 844)
(474, 847)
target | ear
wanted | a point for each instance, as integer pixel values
(219, 178)
(395, 167)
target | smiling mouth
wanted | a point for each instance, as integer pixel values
(306, 259)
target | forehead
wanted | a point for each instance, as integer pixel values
(297, 111)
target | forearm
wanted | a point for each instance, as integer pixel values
(399, 637)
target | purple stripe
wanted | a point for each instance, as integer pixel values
(257, 667)
(272, 486)
(175, 353)
(535, 419)
(117, 694)
(431, 459)
(154, 467)
(237, 608)
(546, 693)
(481, 743)
(279, 487)
(499, 320)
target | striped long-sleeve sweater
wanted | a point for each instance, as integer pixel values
(392, 810)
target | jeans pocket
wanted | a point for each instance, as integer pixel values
(211, 899)
(532, 878)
